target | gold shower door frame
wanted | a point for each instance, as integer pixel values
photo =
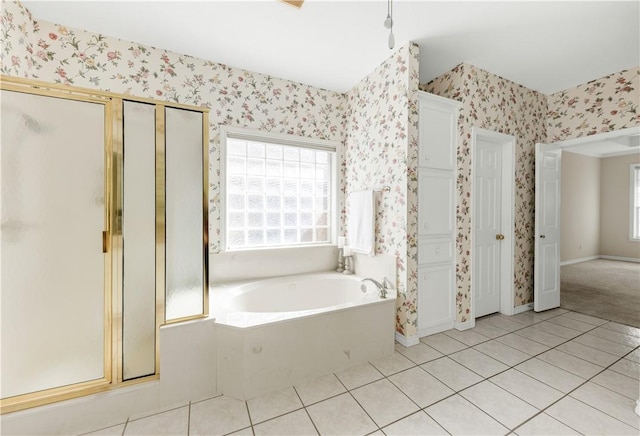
(113, 238)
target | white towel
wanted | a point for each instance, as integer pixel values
(361, 222)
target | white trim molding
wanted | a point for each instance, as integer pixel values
(437, 328)
(407, 341)
(523, 308)
(580, 260)
(623, 259)
(468, 324)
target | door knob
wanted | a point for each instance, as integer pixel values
(542, 236)
(499, 237)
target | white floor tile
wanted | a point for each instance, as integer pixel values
(293, 424)
(557, 330)
(244, 432)
(420, 353)
(603, 344)
(115, 430)
(621, 338)
(443, 343)
(319, 389)
(423, 388)
(617, 327)
(587, 420)
(502, 406)
(585, 318)
(392, 363)
(468, 337)
(564, 321)
(451, 373)
(173, 422)
(526, 318)
(587, 353)
(489, 331)
(478, 362)
(501, 323)
(551, 375)
(341, 415)
(219, 415)
(542, 337)
(619, 383)
(459, 417)
(523, 344)
(417, 424)
(627, 367)
(527, 388)
(616, 405)
(543, 424)
(570, 363)
(501, 352)
(359, 375)
(635, 355)
(272, 405)
(384, 402)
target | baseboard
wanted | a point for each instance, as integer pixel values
(407, 341)
(624, 259)
(437, 328)
(523, 308)
(580, 260)
(468, 324)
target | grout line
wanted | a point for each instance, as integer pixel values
(189, 419)
(125, 426)
(305, 409)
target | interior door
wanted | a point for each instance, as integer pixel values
(546, 289)
(487, 227)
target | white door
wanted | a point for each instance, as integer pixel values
(546, 288)
(487, 226)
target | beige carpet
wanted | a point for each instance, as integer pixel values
(607, 289)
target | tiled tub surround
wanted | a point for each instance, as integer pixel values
(555, 372)
(279, 332)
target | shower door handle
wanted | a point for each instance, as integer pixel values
(105, 241)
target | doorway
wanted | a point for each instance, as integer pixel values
(492, 237)
(548, 231)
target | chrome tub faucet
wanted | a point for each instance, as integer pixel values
(382, 287)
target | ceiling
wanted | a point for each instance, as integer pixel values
(545, 46)
(618, 146)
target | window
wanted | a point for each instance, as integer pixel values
(277, 190)
(634, 202)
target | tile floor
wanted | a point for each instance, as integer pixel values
(550, 373)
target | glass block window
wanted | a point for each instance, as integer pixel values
(276, 194)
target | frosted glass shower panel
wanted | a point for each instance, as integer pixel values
(52, 217)
(139, 240)
(184, 214)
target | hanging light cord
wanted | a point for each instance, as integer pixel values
(388, 23)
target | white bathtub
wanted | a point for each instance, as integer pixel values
(279, 332)
(258, 302)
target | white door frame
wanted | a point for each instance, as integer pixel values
(507, 248)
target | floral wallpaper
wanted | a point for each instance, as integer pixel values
(55, 53)
(603, 105)
(497, 104)
(381, 132)
(494, 103)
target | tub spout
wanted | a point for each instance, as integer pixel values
(382, 287)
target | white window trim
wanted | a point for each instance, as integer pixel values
(632, 201)
(281, 139)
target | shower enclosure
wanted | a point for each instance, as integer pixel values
(103, 237)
